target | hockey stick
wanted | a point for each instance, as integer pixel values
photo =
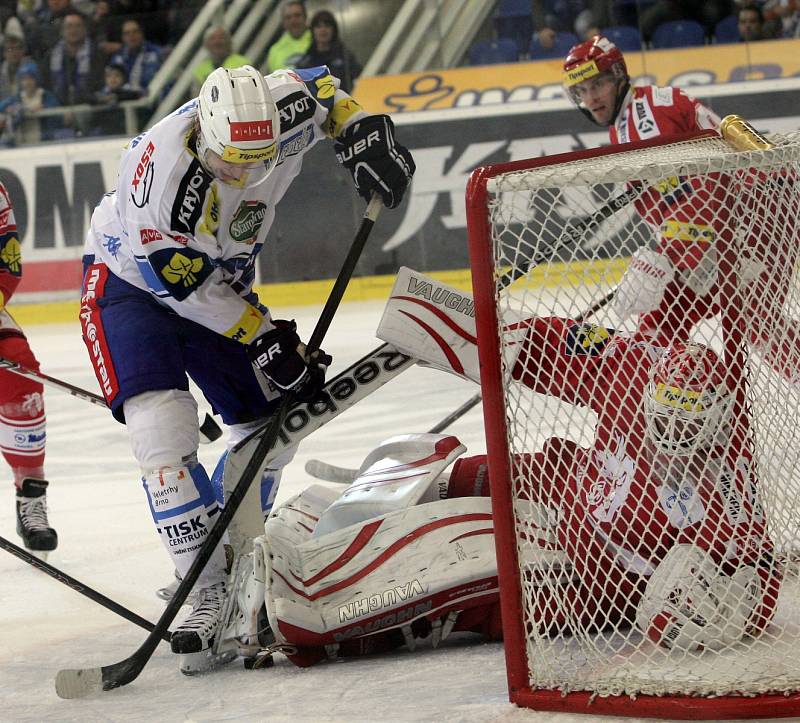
(80, 587)
(209, 430)
(79, 683)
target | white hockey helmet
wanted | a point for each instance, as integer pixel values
(239, 126)
(687, 403)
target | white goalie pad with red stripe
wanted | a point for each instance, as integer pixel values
(435, 323)
(383, 573)
(385, 553)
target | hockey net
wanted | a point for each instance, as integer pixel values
(551, 237)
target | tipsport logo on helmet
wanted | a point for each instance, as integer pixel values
(685, 399)
(240, 155)
(581, 73)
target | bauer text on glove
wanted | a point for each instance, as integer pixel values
(280, 356)
(376, 160)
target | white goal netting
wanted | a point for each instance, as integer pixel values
(649, 437)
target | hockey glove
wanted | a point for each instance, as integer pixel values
(642, 287)
(377, 162)
(280, 356)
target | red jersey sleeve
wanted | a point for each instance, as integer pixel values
(558, 354)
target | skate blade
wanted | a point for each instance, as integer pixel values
(40, 554)
(168, 592)
(204, 661)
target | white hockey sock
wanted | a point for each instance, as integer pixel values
(184, 508)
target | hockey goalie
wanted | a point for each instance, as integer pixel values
(656, 526)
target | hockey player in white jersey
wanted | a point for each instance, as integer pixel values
(168, 275)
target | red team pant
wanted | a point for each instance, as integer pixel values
(22, 415)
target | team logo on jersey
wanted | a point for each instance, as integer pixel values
(143, 177)
(188, 205)
(180, 271)
(615, 473)
(294, 109)
(4, 216)
(586, 339)
(246, 222)
(11, 255)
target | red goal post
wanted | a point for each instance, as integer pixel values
(545, 243)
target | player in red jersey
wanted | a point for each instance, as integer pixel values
(22, 414)
(660, 517)
(677, 284)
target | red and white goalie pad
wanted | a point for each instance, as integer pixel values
(435, 323)
(412, 565)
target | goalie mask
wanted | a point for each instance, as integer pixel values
(687, 403)
(239, 126)
(596, 79)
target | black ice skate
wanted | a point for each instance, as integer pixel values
(193, 638)
(32, 524)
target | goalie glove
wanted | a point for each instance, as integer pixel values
(689, 604)
(376, 161)
(643, 284)
(280, 356)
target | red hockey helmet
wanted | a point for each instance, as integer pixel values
(687, 402)
(591, 59)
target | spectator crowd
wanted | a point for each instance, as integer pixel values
(102, 52)
(543, 29)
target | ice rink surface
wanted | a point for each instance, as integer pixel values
(107, 540)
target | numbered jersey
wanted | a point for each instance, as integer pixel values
(10, 254)
(192, 241)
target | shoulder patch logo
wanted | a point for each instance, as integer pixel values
(11, 255)
(183, 270)
(586, 340)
